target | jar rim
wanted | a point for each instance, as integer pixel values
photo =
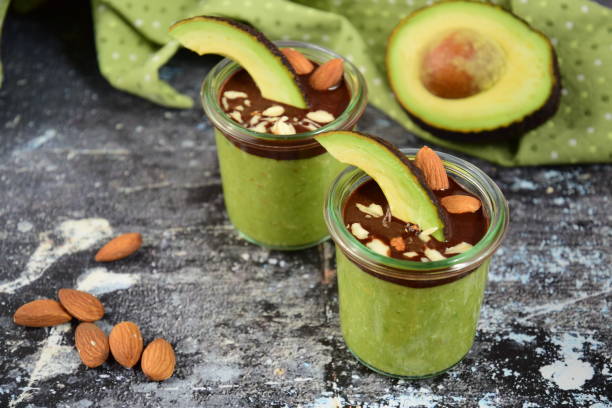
(225, 68)
(493, 202)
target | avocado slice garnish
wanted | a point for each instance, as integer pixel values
(404, 187)
(472, 71)
(268, 67)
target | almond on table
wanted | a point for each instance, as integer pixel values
(92, 344)
(82, 305)
(41, 313)
(126, 343)
(120, 247)
(158, 360)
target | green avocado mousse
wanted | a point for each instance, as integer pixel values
(414, 232)
(267, 101)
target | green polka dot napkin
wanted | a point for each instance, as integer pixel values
(132, 44)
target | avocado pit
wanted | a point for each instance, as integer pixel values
(461, 64)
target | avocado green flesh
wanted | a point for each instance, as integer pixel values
(524, 87)
(407, 197)
(216, 36)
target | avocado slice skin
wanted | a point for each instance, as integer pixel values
(269, 68)
(402, 183)
(507, 130)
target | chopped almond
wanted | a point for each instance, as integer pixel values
(398, 243)
(434, 254)
(425, 235)
(237, 116)
(358, 231)
(234, 94)
(458, 249)
(374, 210)
(378, 246)
(273, 111)
(320, 116)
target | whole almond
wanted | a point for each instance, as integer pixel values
(459, 204)
(158, 360)
(432, 167)
(41, 313)
(327, 75)
(82, 305)
(119, 247)
(125, 343)
(301, 65)
(92, 344)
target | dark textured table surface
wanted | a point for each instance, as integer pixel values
(81, 162)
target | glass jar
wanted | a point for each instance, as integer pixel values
(413, 319)
(274, 186)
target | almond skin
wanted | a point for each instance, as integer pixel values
(398, 243)
(459, 204)
(327, 75)
(301, 65)
(158, 360)
(126, 343)
(120, 247)
(92, 344)
(432, 167)
(82, 305)
(41, 313)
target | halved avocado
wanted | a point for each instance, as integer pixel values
(472, 71)
(268, 67)
(407, 193)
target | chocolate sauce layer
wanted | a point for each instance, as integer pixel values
(468, 227)
(333, 102)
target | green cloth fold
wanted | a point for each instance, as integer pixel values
(133, 43)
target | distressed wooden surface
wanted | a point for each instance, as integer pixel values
(81, 161)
